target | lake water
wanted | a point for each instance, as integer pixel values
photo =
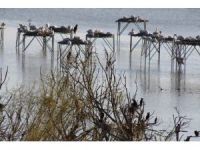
(184, 22)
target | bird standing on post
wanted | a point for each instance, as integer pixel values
(75, 28)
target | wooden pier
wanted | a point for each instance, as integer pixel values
(69, 50)
(124, 22)
(108, 38)
(64, 32)
(178, 47)
(43, 35)
(152, 44)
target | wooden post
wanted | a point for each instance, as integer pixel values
(185, 52)
(149, 49)
(131, 44)
(24, 44)
(159, 53)
(17, 42)
(145, 27)
(118, 36)
(58, 49)
(44, 44)
(52, 42)
(52, 52)
(60, 57)
(114, 43)
(172, 57)
(176, 53)
(145, 55)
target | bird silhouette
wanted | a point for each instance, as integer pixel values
(155, 121)
(160, 88)
(133, 106)
(101, 115)
(1, 106)
(188, 138)
(69, 55)
(178, 128)
(141, 102)
(75, 28)
(148, 116)
(196, 133)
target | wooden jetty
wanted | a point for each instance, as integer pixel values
(63, 31)
(124, 22)
(93, 36)
(42, 34)
(179, 48)
(69, 50)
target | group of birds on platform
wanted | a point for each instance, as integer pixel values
(158, 35)
(2, 25)
(131, 19)
(98, 33)
(46, 29)
(76, 40)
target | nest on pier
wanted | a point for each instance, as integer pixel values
(132, 19)
(98, 34)
(74, 41)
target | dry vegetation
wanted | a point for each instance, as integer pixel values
(87, 101)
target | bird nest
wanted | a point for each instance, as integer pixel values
(152, 36)
(2, 25)
(98, 34)
(61, 29)
(39, 33)
(132, 19)
(73, 41)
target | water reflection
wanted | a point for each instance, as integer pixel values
(150, 78)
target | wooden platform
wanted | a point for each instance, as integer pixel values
(73, 41)
(98, 34)
(62, 29)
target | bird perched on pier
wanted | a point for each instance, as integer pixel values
(3, 24)
(75, 28)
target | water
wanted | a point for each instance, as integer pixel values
(180, 21)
